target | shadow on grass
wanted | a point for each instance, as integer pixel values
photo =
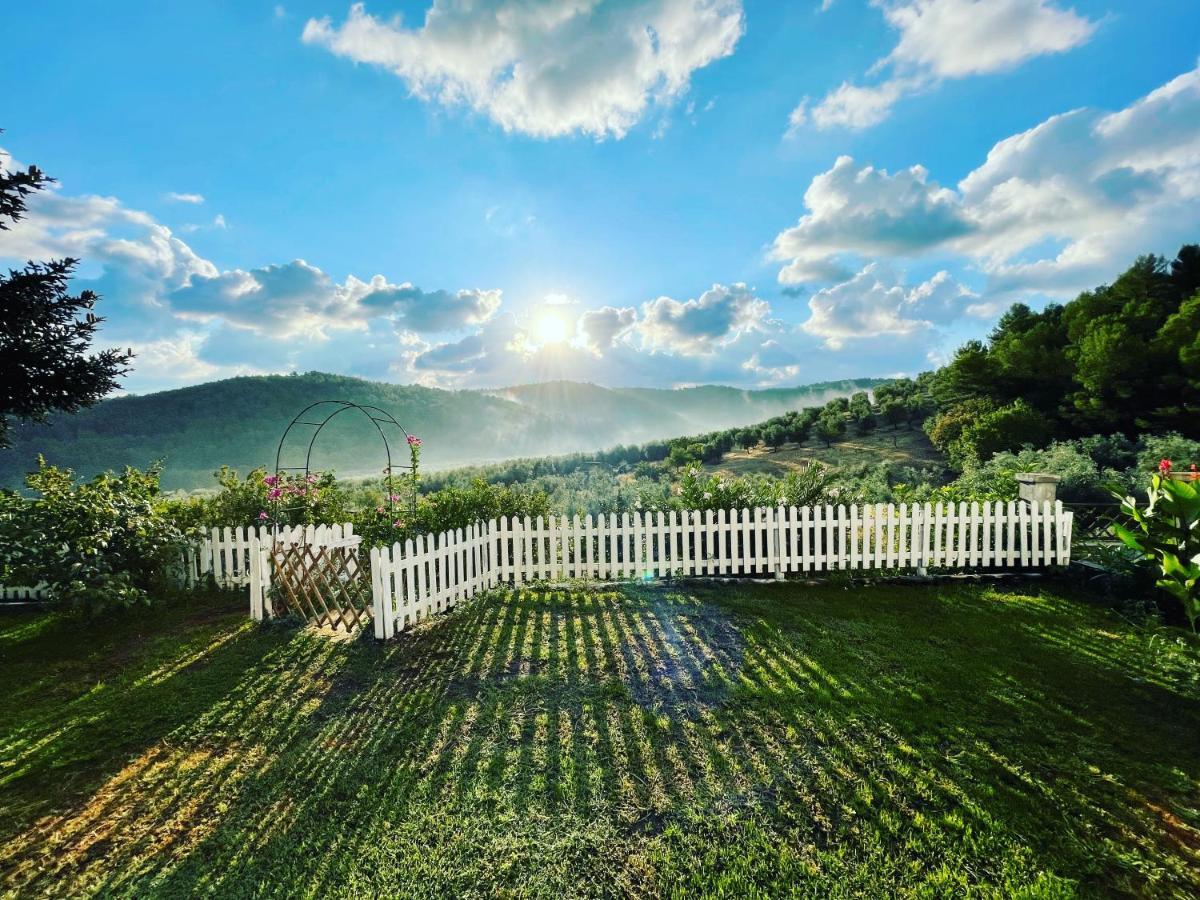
(643, 740)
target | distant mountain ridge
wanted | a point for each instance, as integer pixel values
(238, 422)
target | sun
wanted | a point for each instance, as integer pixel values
(551, 329)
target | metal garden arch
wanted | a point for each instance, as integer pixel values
(327, 410)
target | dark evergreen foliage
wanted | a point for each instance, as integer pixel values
(46, 332)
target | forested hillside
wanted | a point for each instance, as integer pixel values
(238, 422)
(1123, 358)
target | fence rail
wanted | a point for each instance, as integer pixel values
(426, 576)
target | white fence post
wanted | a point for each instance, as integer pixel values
(378, 606)
(256, 585)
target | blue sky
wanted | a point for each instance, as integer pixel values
(649, 192)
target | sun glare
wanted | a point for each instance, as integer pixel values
(551, 329)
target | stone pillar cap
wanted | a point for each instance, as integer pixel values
(1037, 478)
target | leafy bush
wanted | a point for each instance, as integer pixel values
(696, 490)
(1007, 428)
(96, 544)
(1173, 446)
(382, 511)
(1166, 532)
(260, 499)
(1081, 480)
(946, 427)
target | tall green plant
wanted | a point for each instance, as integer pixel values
(95, 544)
(1166, 532)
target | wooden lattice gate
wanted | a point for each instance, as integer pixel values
(323, 583)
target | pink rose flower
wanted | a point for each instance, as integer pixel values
(263, 515)
(274, 494)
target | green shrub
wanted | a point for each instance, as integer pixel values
(946, 427)
(260, 499)
(696, 490)
(685, 454)
(1007, 428)
(1182, 451)
(1081, 480)
(96, 544)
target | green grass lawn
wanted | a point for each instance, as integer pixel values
(960, 739)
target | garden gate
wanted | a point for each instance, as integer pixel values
(315, 575)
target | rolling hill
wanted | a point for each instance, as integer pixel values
(239, 421)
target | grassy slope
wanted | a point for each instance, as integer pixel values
(900, 447)
(809, 739)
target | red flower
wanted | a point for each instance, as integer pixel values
(1164, 467)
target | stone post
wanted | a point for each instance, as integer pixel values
(1037, 487)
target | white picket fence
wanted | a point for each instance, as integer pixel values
(225, 553)
(23, 594)
(430, 574)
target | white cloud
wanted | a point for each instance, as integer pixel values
(185, 198)
(218, 223)
(867, 305)
(452, 359)
(866, 211)
(297, 298)
(773, 363)
(946, 39)
(876, 303)
(139, 259)
(599, 329)
(430, 311)
(704, 324)
(544, 68)
(280, 300)
(851, 106)
(1055, 209)
(188, 320)
(957, 38)
(174, 360)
